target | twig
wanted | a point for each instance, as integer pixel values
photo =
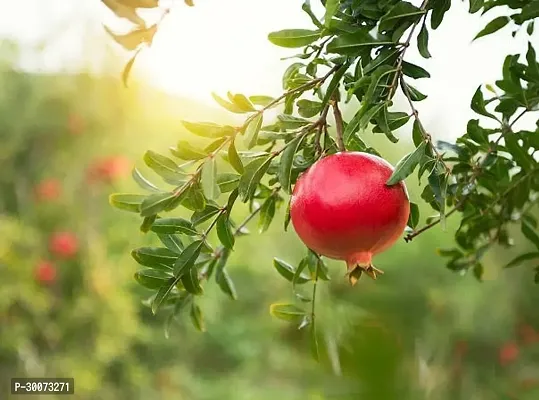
(313, 300)
(254, 213)
(301, 88)
(339, 126)
(424, 132)
(518, 117)
(412, 235)
(406, 45)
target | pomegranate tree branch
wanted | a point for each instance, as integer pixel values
(339, 126)
(406, 45)
(302, 88)
(422, 129)
(255, 212)
(411, 236)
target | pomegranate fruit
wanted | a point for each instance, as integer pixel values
(342, 208)
(64, 244)
(508, 353)
(109, 169)
(45, 272)
(48, 189)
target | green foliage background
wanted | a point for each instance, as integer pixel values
(421, 332)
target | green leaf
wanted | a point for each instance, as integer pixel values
(402, 9)
(289, 272)
(155, 203)
(476, 5)
(208, 129)
(415, 94)
(522, 258)
(252, 130)
(353, 125)
(155, 257)
(529, 11)
(147, 223)
(478, 104)
(214, 145)
(127, 201)
(440, 7)
(194, 199)
(241, 101)
(291, 122)
(201, 216)
(306, 7)
(226, 284)
(162, 295)
(172, 242)
(287, 312)
(352, 43)
(185, 151)
(334, 83)
(423, 42)
(332, 6)
(228, 182)
(143, 182)
(493, 26)
(208, 179)
(197, 318)
(438, 184)
(529, 232)
(286, 162)
(522, 158)
(406, 165)
(224, 231)
(187, 259)
(385, 57)
(227, 105)
(414, 71)
(174, 225)
(164, 167)
(152, 278)
(308, 108)
(413, 219)
(267, 212)
(191, 282)
(234, 159)
(375, 109)
(376, 81)
(254, 171)
(383, 122)
(261, 100)
(293, 38)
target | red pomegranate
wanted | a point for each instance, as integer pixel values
(45, 272)
(508, 353)
(108, 169)
(64, 244)
(342, 208)
(48, 189)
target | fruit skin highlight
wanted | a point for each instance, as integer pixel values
(342, 208)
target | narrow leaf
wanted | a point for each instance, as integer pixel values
(286, 162)
(406, 165)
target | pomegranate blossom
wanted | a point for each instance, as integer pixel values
(342, 208)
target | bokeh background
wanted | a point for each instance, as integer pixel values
(70, 134)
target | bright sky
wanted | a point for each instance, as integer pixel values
(221, 45)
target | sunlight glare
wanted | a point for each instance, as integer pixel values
(219, 46)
